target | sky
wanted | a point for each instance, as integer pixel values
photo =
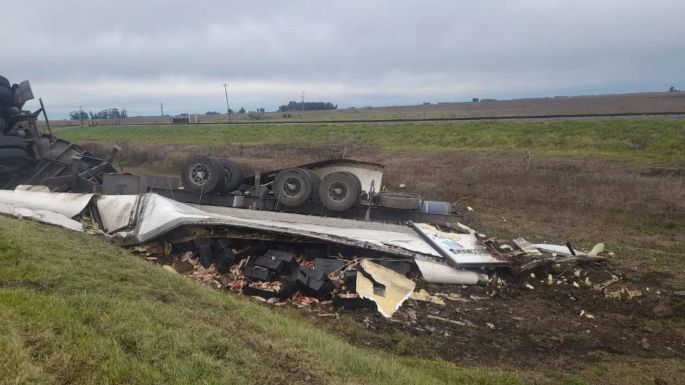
(138, 54)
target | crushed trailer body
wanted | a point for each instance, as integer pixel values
(301, 260)
(154, 216)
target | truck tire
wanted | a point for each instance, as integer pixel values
(339, 191)
(202, 174)
(316, 181)
(293, 187)
(4, 82)
(233, 175)
(13, 142)
(401, 201)
(6, 97)
(13, 161)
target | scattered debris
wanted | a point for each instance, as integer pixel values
(349, 265)
(383, 286)
(423, 295)
(455, 322)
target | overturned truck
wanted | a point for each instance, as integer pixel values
(243, 231)
(342, 188)
(31, 155)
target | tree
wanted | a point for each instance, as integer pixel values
(110, 113)
(309, 106)
(78, 115)
(241, 110)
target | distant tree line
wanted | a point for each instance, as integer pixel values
(78, 115)
(109, 113)
(307, 106)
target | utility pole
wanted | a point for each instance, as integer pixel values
(161, 107)
(228, 109)
(80, 115)
(302, 100)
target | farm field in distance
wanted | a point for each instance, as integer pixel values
(638, 103)
(657, 140)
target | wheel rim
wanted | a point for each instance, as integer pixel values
(200, 174)
(291, 187)
(338, 191)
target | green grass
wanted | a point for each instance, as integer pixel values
(655, 140)
(77, 310)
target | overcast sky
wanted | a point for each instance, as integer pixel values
(136, 54)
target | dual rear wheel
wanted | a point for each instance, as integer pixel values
(337, 191)
(203, 174)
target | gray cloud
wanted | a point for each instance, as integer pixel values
(136, 54)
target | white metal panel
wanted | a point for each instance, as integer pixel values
(67, 204)
(117, 210)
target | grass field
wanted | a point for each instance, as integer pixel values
(655, 141)
(88, 312)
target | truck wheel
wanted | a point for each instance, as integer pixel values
(399, 200)
(339, 191)
(292, 187)
(13, 160)
(6, 96)
(233, 175)
(12, 142)
(202, 174)
(316, 181)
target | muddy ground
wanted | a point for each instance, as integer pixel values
(557, 328)
(638, 210)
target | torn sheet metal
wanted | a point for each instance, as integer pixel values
(67, 204)
(140, 218)
(383, 286)
(118, 212)
(43, 216)
(441, 273)
(539, 248)
(155, 215)
(371, 233)
(463, 250)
